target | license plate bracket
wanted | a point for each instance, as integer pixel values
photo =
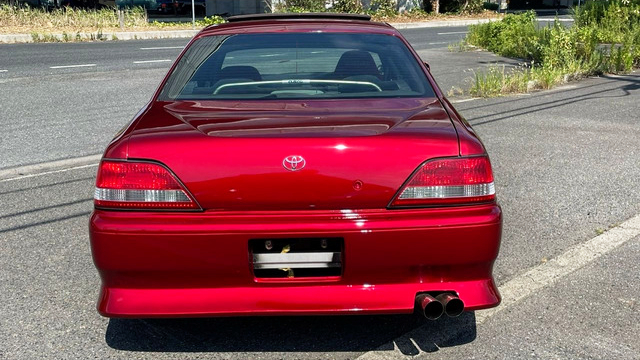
(296, 257)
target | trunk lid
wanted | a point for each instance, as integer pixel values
(248, 155)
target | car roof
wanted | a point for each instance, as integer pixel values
(279, 22)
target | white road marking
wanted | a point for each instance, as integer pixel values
(71, 66)
(162, 48)
(49, 172)
(437, 43)
(150, 61)
(48, 167)
(462, 100)
(4, 70)
(530, 282)
(453, 33)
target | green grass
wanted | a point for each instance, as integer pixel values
(604, 39)
(36, 18)
(42, 24)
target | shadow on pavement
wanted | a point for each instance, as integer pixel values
(624, 86)
(291, 334)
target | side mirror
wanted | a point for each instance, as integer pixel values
(426, 64)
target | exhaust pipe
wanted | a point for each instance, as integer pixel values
(431, 308)
(452, 304)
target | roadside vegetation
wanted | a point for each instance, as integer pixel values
(604, 39)
(386, 10)
(70, 24)
(83, 24)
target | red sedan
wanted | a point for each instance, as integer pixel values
(303, 164)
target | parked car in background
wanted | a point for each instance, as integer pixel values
(296, 164)
(147, 4)
(167, 7)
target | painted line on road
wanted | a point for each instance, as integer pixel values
(49, 172)
(71, 66)
(453, 33)
(49, 167)
(527, 284)
(4, 70)
(162, 48)
(462, 100)
(438, 43)
(150, 61)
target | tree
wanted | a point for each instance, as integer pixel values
(435, 6)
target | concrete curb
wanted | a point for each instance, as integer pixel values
(441, 23)
(107, 36)
(143, 35)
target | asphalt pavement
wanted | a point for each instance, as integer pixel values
(93, 89)
(566, 170)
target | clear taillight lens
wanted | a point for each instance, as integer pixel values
(139, 185)
(448, 181)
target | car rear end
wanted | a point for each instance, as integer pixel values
(299, 190)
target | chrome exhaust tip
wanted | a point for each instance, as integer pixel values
(431, 308)
(452, 304)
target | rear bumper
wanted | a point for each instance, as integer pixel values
(198, 264)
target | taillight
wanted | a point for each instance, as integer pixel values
(139, 185)
(448, 181)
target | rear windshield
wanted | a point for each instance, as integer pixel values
(296, 66)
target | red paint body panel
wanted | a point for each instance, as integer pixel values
(341, 140)
(228, 154)
(198, 264)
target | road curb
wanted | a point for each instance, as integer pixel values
(168, 34)
(441, 23)
(97, 36)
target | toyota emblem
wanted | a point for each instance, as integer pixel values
(294, 162)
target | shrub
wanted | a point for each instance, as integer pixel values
(515, 36)
(560, 50)
(347, 6)
(604, 39)
(383, 8)
(213, 20)
(472, 7)
(299, 6)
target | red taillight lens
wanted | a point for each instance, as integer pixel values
(449, 181)
(139, 185)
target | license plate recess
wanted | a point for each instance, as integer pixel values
(296, 257)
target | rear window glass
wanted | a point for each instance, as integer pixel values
(296, 66)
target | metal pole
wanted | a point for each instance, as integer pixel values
(193, 14)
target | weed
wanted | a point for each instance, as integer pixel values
(347, 6)
(560, 54)
(383, 8)
(488, 84)
(455, 91)
(460, 46)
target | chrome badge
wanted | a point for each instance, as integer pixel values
(294, 162)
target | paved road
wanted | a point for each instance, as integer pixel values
(37, 60)
(45, 100)
(556, 191)
(565, 165)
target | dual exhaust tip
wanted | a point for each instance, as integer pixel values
(433, 307)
